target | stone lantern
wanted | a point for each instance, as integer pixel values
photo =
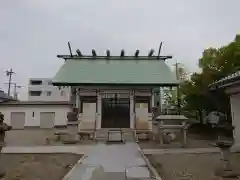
(225, 142)
(3, 128)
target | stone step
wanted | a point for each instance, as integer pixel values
(102, 134)
(108, 176)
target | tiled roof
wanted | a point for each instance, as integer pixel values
(226, 81)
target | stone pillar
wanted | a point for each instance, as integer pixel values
(160, 99)
(161, 132)
(73, 96)
(78, 103)
(152, 99)
(99, 111)
(132, 111)
(184, 131)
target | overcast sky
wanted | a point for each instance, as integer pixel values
(32, 33)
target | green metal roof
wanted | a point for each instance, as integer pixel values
(116, 71)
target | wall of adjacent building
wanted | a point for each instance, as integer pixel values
(32, 113)
(235, 110)
(48, 91)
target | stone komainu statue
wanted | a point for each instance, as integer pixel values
(3, 128)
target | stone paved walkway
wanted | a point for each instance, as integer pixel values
(107, 162)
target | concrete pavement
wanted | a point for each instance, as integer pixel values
(107, 162)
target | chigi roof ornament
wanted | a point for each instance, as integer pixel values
(151, 55)
(136, 53)
(151, 52)
(108, 53)
(122, 53)
(78, 52)
(94, 54)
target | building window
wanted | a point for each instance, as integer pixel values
(49, 93)
(36, 82)
(32, 114)
(35, 93)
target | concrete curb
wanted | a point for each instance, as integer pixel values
(149, 165)
(187, 151)
(181, 151)
(45, 149)
(68, 175)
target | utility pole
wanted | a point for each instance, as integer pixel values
(15, 89)
(178, 92)
(9, 74)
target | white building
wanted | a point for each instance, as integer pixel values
(41, 89)
(22, 114)
(47, 106)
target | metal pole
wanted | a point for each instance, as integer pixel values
(178, 92)
(15, 91)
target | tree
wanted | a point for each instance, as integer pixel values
(170, 95)
(215, 64)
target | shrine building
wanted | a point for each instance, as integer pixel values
(115, 91)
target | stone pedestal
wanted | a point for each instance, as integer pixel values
(115, 136)
(2, 173)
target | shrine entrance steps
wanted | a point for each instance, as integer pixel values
(115, 135)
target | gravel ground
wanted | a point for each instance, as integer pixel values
(28, 137)
(189, 166)
(37, 136)
(194, 141)
(37, 166)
